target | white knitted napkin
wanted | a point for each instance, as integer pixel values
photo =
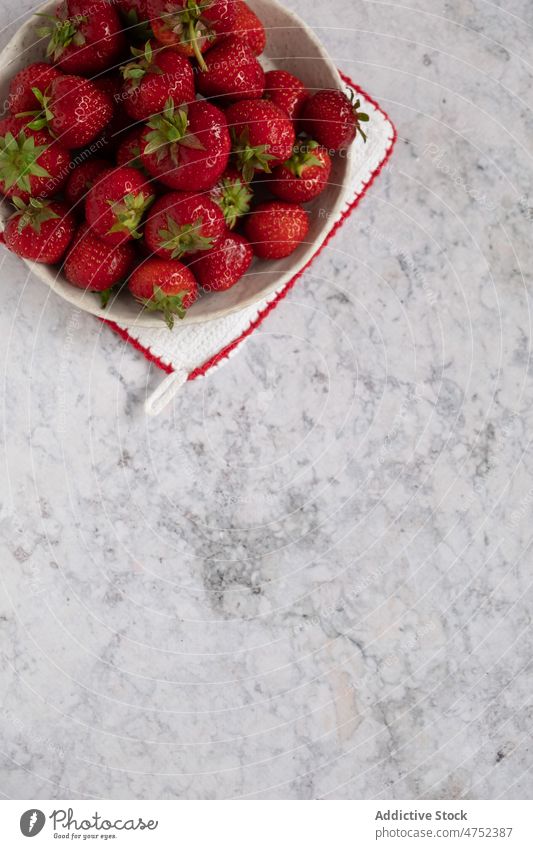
(190, 351)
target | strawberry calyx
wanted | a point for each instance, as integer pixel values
(136, 161)
(62, 33)
(360, 117)
(184, 238)
(192, 28)
(303, 158)
(143, 62)
(233, 197)
(128, 213)
(169, 131)
(169, 305)
(32, 214)
(112, 292)
(19, 161)
(137, 29)
(41, 117)
(105, 296)
(249, 158)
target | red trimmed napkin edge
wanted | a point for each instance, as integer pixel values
(225, 352)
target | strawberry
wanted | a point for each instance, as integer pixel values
(85, 36)
(156, 74)
(233, 195)
(129, 150)
(304, 176)
(40, 230)
(191, 26)
(183, 223)
(223, 267)
(96, 265)
(82, 179)
(73, 109)
(116, 204)
(187, 148)
(164, 285)
(31, 162)
(262, 135)
(21, 97)
(249, 28)
(286, 91)
(276, 229)
(233, 72)
(332, 119)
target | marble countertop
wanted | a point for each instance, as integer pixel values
(311, 577)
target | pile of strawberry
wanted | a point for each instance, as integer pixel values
(152, 151)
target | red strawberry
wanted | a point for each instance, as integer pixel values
(40, 231)
(233, 72)
(82, 179)
(191, 27)
(31, 162)
(332, 119)
(221, 268)
(249, 28)
(276, 229)
(304, 176)
(262, 135)
(286, 91)
(187, 148)
(233, 195)
(156, 74)
(21, 97)
(74, 110)
(85, 36)
(164, 285)
(116, 204)
(129, 150)
(183, 223)
(96, 265)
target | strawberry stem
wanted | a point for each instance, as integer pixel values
(195, 46)
(360, 117)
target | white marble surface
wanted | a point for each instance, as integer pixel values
(312, 577)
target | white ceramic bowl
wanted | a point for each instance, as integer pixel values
(290, 45)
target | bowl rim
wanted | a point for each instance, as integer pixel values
(88, 301)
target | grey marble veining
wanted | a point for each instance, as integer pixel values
(311, 577)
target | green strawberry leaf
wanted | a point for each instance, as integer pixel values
(169, 130)
(33, 214)
(61, 33)
(19, 161)
(303, 158)
(359, 116)
(169, 305)
(128, 213)
(250, 159)
(234, 198)
(184, 239)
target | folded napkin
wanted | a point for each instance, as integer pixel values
(190, 351)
